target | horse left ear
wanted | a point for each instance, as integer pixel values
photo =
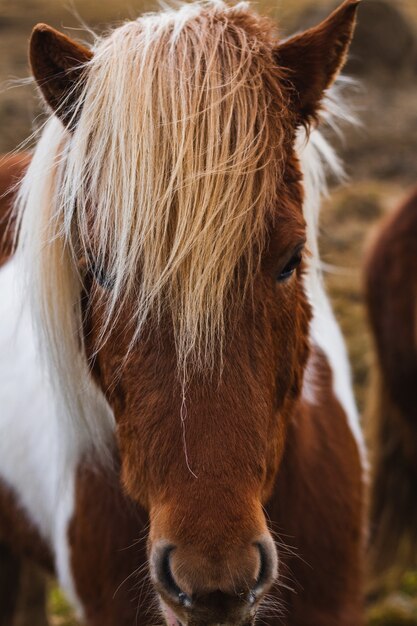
(57, 64)
(313, 59)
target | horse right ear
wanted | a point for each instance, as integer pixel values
(313, 59)
(57, 64)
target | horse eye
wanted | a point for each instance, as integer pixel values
(101, 275)
(290, 267)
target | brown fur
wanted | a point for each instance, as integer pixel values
(32, 608)
(108, 545)
(391, 289)
(246, 439)
(19, 531)
(20, 543)
(23, 591)
(12, 168)
(323, 529)
(9, 584)
(309, 488)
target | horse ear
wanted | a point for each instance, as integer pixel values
(314, 58)
(57, 64)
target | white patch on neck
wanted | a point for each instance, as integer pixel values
(33, 461)
(316, 157)
(325, 333)
(311, 382)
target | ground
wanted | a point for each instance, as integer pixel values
(380, 157)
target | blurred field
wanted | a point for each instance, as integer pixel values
(380, 156)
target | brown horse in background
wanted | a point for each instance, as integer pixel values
(193, 400)
(391, 291)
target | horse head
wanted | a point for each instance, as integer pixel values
(178, 203)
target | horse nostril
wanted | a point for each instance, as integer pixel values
(267, 569)
(164, 577)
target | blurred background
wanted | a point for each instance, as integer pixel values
(380, 155)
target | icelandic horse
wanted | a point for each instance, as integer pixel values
(391, 296)
(175, 391)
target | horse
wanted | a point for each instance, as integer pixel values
(179, 439)
(390, 288)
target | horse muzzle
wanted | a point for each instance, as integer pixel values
(229, 595)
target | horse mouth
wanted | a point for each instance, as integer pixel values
(170, 618)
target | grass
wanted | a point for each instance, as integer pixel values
(59, 611)
(398, 608)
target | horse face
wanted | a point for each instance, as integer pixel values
(201, 453)
(203, 460)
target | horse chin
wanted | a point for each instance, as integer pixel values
(170, 617)
(172, 620)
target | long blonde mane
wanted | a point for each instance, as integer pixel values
(165, 182)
